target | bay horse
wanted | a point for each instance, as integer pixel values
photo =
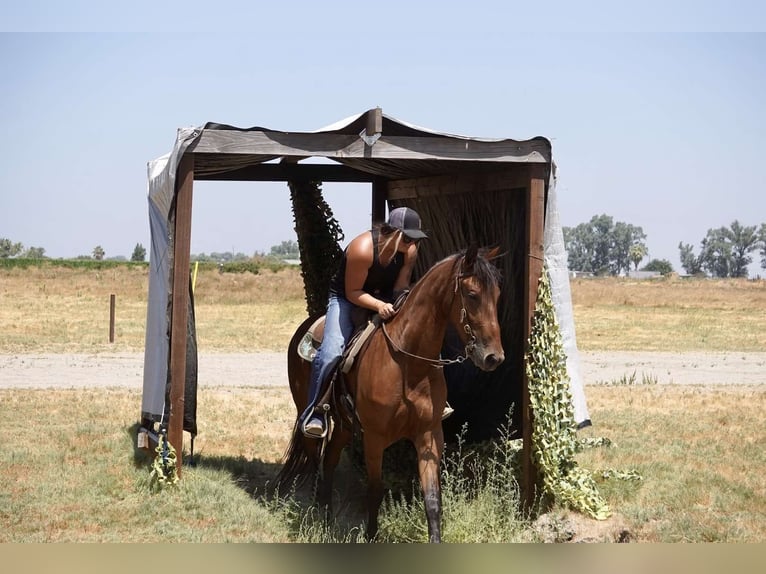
(397, 383)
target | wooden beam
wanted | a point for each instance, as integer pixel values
(533, 268)
(180, 302)
(285, 172)
(278, 144)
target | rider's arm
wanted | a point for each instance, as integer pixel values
(359, 256)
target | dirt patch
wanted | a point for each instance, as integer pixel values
(730, 368)
(270, 369)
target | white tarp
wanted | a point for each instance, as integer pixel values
(556, 260)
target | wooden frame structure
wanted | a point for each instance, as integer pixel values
(401, 162)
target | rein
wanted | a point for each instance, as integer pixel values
(469, 346)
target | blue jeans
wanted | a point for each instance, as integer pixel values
(338, 328)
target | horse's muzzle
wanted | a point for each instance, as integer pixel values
(490, 361)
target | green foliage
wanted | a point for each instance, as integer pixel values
(90, 264)
(636, 253)
(480, 497)
(164, 467)
(602, 246)
(9, 249)
(139, 253)
(216, 257)
(662, 266)
(762, 244)
(725, 251)
(285, 250)
(554, 442)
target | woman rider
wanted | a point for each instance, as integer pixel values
(376, 266)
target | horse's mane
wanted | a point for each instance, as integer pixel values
(483, 268)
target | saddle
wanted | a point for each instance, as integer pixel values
(366, 322)
(309, 343)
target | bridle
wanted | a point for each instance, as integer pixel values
(470, 343)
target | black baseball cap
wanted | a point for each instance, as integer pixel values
(408, 221)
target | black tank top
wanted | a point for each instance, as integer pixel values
(380, 280)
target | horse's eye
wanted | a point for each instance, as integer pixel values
(473, 295)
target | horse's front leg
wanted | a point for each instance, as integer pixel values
(373, 460)
(429, 447)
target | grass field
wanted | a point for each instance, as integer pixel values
(56, 309)
(69, 472)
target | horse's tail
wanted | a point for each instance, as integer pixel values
(300, 461)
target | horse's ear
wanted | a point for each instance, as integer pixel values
(493, 254)
(470, 258)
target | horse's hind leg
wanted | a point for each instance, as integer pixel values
(339, 439)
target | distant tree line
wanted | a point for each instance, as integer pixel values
(285, 250)
(604, 247)
(9, 249)
(725, 251)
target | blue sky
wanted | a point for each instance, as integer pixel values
(664, 129)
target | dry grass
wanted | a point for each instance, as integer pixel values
(72, 474)
(700, 451)
(59, 310)
(669, 314)
(63, 310)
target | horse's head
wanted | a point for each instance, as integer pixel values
(474, 309)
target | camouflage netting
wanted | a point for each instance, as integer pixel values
(319, 235)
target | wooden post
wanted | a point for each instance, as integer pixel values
(374, 122)
(111, 317)
(379, 195)
(533, 268)
(180, 302)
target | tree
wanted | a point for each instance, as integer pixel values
(286, 250)
(744, 241)
(98, 253)
(588, 245)
(602, 246)
(139, 253)
(690, 262)
(636, 253)
(9, 249)
(725, 251)
(662, 266)
(716, 252)
(762, 239)
(624, 238)
(34, 253)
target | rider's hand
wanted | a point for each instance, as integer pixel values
(386, 311)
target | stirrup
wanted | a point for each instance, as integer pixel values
(313, 428)
(315, 425)
(448, 410)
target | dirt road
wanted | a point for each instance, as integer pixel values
(269, 369)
